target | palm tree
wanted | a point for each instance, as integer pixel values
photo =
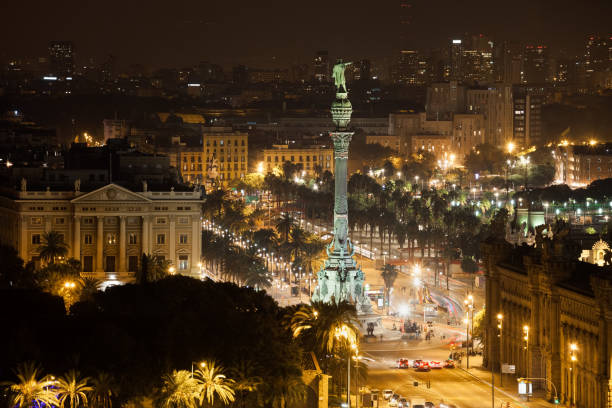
(30, 391)
(213, 383)
(73, 389)
(389, 274)
(101, 396)
(321, 324)
(52, 247)
(284, 224)
(257, 277)
(285, 391)
(247, 381)
(179, 390)
(89, 287)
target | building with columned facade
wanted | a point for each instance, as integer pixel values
(107, 229)
(556, 320)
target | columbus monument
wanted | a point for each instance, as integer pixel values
(341, 279)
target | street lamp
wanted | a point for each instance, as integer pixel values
(469, 303)
(526, 348)
(201, 364)
(500, 327)
(573, 359)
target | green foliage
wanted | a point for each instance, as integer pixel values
(485, 158)
(479, 329)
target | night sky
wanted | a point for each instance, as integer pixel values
(272, 32)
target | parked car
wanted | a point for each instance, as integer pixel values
(403, 403)
(449, 364)
(387, 394)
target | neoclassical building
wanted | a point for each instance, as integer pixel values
(107, 229)
(556, 318)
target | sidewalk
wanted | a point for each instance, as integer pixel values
(510, 387)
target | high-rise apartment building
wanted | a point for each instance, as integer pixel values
(536, 64)
(61, 57)
(527, 115)
(468, 131)
(444, 99)
(321, 66)
(494, 103)
(456, 60)
(598, 53)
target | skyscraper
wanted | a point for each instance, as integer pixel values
(536, 64)
(456, 60)
(321, 66)
(598, 53)
(61, 57)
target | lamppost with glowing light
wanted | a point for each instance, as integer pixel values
(201, 364)
(573, 350)
(500, 327)
(526, 348)
(469, 304)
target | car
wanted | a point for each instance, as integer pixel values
(403, 363)
(418, 403)
(424, 366)
(393, 402)
(395, 397)
(430, 404)
(403, 403)
(449, 364)
(435, 364)
(387, 394)
(416, 363)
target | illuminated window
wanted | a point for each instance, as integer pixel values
(111, 238)
(133, 238)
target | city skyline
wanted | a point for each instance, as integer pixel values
(278, 34)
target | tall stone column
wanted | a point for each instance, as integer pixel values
(341, 279)
(195, 244)
(341, 142)
(100, 244)
(146, 247)
(76, 238)
(172, 241)
(24, 238)
(122, 244)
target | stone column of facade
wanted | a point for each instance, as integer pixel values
(172, 241)
(554, 338)
(195, 244)
(146, 248)
(122, 244)
(23, 239)
(76, 238)
(100, 244)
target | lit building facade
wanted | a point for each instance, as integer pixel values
(555, 317)
(223, 157)
(61, 57)
(390, 141)
(579, 166)
(527, 115)
(311, 158)
(107, 229)
(494, 103)
(468, 132)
